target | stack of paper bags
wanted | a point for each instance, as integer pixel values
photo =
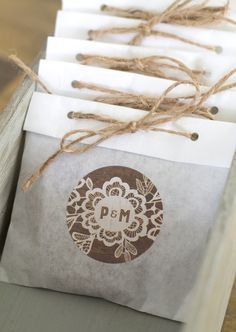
(129, 219)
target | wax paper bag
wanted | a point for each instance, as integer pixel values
(127, 221)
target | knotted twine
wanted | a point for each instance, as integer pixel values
(178, 12)
(149, 122)
(152, 65)
(186, 14)
(116, 97)
(137, 101)
(142, 102)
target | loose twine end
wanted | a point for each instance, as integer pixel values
(28, 71)
(28, 184)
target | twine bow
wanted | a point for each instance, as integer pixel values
(184, 13)
(149, 122)
(116, 97)
(152, 65)
(180, 12)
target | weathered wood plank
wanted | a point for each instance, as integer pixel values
(24, 27)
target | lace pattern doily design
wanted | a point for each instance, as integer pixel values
(114, 214)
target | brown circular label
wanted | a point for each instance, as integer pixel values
(114, 214)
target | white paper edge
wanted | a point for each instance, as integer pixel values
(94, 5)
(215, 146)
(215, 66)
(74, 24)
(59, 75)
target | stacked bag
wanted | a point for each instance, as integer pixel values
(127, 153)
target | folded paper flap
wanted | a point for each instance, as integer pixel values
(70, 45)
(76, 25)
(214, 66)
(96, 7)
(152, 5)
(215, 146)
(58, 77)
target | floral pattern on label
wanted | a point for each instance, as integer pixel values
(114, 214)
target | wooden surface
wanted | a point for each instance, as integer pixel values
(24, 26)
(230, 320)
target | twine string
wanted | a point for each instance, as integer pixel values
(97, 34)
(116, 97)
(143, 102)
(218, 87)
(152, 65)
(186, 13)
(149, 122)
(180, 12)
(28, 71)
(157, 115)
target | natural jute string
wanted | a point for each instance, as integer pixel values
(140, 101)
(146, 103)
(28, 71)
(179, 12)
(116, 97)
(149, 122)
(186, 13)
(155, 65)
